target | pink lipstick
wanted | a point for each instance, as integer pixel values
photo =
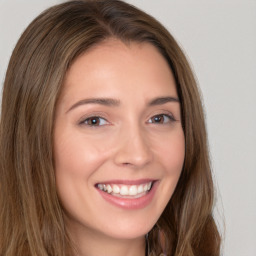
(128, 194)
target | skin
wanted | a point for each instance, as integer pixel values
(131, 140)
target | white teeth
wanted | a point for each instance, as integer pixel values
(116, 189)
(125, 190)
(133, 191)
(109, 189)
(140, 189)
(100, 186)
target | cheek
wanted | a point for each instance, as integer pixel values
(171, 153)
(75, 154)
(76, 159)
(175, 158)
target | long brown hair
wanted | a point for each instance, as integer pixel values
(31, 218)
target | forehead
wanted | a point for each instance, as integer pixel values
(112, 67)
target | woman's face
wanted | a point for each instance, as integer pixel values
(118, 140)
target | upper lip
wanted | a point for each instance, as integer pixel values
(127, 182)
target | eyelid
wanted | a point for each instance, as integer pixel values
(168, 115)
(85, 119)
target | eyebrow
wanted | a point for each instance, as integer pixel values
(162, 100)
(115, 102)
(101, 101)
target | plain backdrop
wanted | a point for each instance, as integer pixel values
(219, 38)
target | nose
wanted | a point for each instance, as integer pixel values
(133, 149)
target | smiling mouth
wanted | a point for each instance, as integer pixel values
(126, 191)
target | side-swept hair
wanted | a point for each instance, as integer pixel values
(31, 218)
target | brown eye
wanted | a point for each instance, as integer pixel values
(158, 119)
(95, 121)
(161, 119)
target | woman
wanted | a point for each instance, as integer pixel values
(103, 141)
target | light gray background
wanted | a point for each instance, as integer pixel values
(219, 37)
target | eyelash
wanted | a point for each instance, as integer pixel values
(94, 119)
(168, 116)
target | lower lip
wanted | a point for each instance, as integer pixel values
(130, 203)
